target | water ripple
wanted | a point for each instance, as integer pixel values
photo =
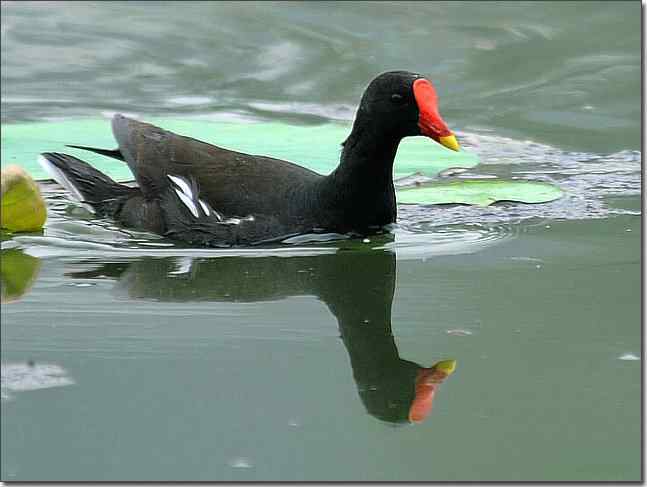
(422, 231)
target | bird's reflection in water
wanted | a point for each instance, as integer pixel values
(357, 287)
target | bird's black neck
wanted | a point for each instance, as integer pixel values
(368, 152)
(361, 187)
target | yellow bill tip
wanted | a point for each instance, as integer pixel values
(450, 142)
(446, 366)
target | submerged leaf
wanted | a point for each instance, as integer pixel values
(480, 192)
(17, 274)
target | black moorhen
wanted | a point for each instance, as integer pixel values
(206, 195)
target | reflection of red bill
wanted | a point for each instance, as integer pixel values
(427, 382)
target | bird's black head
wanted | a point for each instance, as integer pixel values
(404, 104)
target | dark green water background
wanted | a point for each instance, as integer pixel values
(132, 360)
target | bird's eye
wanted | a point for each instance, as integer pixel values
(397, 98)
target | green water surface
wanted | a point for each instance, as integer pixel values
(236, 370)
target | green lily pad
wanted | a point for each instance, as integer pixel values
(316, 147)
(23, 207)
(480, 192)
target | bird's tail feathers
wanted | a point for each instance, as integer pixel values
(114, 153)
(93, 189)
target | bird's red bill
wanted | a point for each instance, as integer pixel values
(422, 404)
(427, 382)
(430, 122)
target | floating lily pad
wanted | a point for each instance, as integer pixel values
(23, 208)
(317, 147)
(480, 192)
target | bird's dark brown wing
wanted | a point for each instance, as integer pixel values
(232, 182)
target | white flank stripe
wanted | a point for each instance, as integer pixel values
(183, 185)
(205, 208)
(188, 203)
